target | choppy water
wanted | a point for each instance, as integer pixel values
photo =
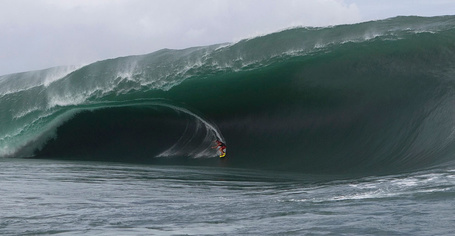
(95, 198)
(343, 130)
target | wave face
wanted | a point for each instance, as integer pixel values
(375, 96)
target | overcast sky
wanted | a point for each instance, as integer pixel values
(37, 34)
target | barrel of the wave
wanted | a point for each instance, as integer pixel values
(221, 148)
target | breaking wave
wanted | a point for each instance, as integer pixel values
(374, 96)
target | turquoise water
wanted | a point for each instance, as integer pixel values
(374, 97)
(343, 130)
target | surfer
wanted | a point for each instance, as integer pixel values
(221, 147)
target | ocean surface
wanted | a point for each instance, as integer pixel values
(341, 130)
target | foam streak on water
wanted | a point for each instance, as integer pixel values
(77, 198)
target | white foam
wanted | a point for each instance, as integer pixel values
(27, 111)
(408, 182)
(66, 100)
(376, 188)
(28, 137)
(209, 137)
(15, 83)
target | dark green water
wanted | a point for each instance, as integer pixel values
(375, 97)
(340, 130)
